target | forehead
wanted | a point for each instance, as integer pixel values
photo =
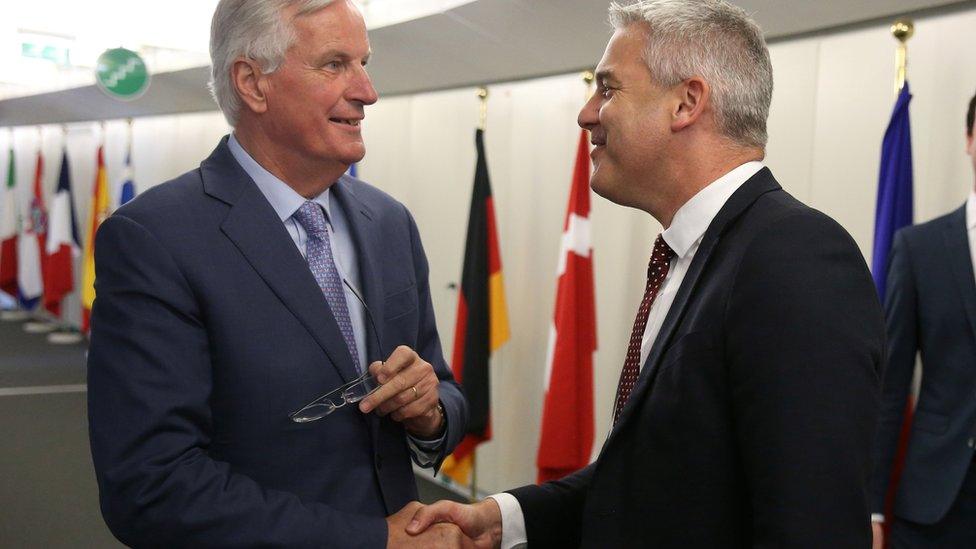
(338, 24)
(624, 53)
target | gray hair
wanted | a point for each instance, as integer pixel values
(714, 40)
(254, 29)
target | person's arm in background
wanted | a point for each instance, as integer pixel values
(902, 328)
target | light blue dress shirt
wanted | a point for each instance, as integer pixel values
(286, 202)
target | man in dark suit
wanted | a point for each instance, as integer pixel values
(760, 335)
(227, 300)
(930, 308)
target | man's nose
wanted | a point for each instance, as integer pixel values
(589, 115)
(361, 88)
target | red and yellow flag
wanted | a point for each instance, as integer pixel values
(482, 319)
(97, 213)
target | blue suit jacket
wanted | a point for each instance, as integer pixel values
(208, 330)
(930, 309)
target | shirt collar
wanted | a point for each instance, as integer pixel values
(971, 211)
(693, 218)
(283, 198)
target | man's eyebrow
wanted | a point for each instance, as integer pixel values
(604, 75)
(335, 53)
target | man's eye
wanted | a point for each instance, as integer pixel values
(606, 92)
(332, 65)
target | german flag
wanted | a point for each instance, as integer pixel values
(482, 320)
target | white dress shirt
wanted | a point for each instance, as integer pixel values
(286, 202)
(683, 236)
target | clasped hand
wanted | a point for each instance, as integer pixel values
(446, 524)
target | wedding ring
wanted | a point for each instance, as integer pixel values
(416, 395)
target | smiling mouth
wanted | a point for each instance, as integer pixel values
(347, 121)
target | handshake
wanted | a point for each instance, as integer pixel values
(446, 524)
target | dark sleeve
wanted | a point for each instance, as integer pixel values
(553, 511)
(149, 381)
(901, 323)
(429, 348)
(805, 341)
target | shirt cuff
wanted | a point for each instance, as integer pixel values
(425, 452)
(513, 521)
(877, 517)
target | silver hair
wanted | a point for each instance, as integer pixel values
(255, 29)
(716, 41)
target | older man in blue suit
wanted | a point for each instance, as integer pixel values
(227, 299)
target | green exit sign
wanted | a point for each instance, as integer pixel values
(34, 50)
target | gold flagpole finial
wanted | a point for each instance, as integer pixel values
(902, 30)
(483, 119)
(588, 79)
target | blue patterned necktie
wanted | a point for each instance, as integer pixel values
(318, 252)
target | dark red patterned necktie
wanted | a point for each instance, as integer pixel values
(657, 270)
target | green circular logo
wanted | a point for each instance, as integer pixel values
(122, 74)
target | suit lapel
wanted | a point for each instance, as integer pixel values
(367, 240)
(958, 255)
(759, 184)
(254, 227)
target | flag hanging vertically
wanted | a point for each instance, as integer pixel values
(567, 414)
(894, 205)
(62, 243)
(126, 188)
(96, 214)
(353, 169)
(30, 247)
(482, 319)
(9, 229)
(894, 211)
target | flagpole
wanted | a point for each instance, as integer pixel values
(902, 30)
(483, 118)
(588, 78)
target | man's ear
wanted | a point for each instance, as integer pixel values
(693, 95)
(250, 84)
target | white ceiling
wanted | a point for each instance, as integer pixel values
(418, 45)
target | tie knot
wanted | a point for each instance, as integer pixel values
(312, 218)
(660, 256)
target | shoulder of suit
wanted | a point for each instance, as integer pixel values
(930, 228)
(169, 202)
(374, 198)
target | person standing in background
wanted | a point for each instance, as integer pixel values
(930, 308)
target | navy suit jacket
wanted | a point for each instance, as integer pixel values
(208, 330)
(930, 309)
(752, 420)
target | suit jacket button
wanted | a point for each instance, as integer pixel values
(379, 461)
(972, 443)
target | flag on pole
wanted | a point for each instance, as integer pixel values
(9, 229)
(894, 211)
(567, 415)
(353, 169)
(482, 319)
(30, 248)
(96, 214)
(62, 243)
(894, 205)
(126, 187)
